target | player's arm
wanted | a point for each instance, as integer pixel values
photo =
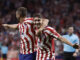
(52, 32)
(13, 26)
(64, 40)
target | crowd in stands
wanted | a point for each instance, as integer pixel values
(60, 13)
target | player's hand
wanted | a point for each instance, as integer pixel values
(45, 22)
(74, 54)
(5, 25)
(76, 46)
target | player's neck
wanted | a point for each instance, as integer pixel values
(70, 34)
(21, 20)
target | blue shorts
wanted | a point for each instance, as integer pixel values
(31, 56)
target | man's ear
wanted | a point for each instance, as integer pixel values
(46, 21)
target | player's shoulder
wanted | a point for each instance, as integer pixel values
(29, 20)
(75, 35)
(49, 28)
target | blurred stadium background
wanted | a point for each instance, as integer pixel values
(60, 13)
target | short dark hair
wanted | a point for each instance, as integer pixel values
(37, 15)
(22, 11)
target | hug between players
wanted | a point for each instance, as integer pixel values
(36, 29)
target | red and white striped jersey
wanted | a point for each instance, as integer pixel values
(45, 44)
(26, 36)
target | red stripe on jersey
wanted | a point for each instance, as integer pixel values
(28, 19)
(20, 29)
(53, 44)
(48, 47)
(23, 27)
(38, 54)
(41, 54)
(31, 40)
(47, 33)
(18, 26)
(50, 55)
(27, 45)
(46, 56)
(52, 40)
(24, 46)
(46, 43)
(53, 31)
(27, 30)
(22, 40)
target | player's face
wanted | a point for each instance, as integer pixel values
(70, 30)
(37, 22)
(17, 15)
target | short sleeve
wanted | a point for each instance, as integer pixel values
(52, 32)
(28, 20)
(77, 39)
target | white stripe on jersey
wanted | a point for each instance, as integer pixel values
(22, 37)
(30, 32)
(48, 40)
(21, 44)
(39, 55)
(48, 57)
(28, 40)
(26, 48)
(28, 21)
(53, 56)
(46, 46)
(44, 55)
(47, 31)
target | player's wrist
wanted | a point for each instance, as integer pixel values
(77, 52)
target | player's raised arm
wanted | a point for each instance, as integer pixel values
(52, 32)
(67, 42)
(13, 26)
(64, 40)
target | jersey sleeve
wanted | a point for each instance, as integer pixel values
(77, 40)
(52, 32)
(18, 26)
(28, 20)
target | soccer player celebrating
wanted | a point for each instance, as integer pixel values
(27, 34)
(45, 36)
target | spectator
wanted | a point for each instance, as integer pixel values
(4, 51)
